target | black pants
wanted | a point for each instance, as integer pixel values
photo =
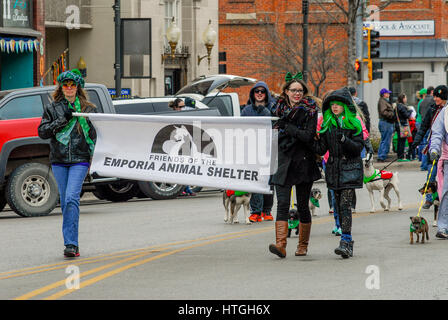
(344, 200)
(401, 143)
(284, 201)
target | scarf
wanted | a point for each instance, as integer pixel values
(63, 136)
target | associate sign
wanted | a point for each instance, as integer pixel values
(403, 28)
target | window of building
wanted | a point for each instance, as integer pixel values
(406, 82)
(22, 108)
(172, 9)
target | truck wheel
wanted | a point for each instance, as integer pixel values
(32, 190)
(117, 191)
(2, 200)
(159, 190)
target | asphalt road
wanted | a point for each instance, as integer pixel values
(182, 249)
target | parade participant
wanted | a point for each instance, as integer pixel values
(259, 105)
(387, 118)
(72, 140)
(297, 165)
(341, 135)
(437, 143)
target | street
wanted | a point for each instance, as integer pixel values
(182, 249)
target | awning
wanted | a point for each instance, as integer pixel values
(412, 49)
(24, 32)
(18, 45)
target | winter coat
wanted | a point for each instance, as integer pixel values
(365, 110)
(251, 109)
(403, 115)
(344, 166)
(426, 124)
(386, 111)
(53, 121)
(296, 157)
(426, 104)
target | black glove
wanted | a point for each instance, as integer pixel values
(434, 155)
(280, 124)
(68, 113)
(291, 129)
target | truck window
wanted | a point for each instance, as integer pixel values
(92, 96)
(222, 103)
(161, 106)
(22, 108)
(134, 108)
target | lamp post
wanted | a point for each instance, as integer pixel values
(305, 39)
(117, 66)
(208, 38)
(172, 35)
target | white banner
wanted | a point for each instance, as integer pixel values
(223, 152)
(402, 28)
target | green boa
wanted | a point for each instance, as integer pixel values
(63, 136)
(315, 202)
(411, 227)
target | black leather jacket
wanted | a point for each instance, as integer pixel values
(53, 121)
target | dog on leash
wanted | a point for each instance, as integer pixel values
(382, 181)
(233, 201)
(293, 221)
(315, 196)
(432, 190)
(419, 225)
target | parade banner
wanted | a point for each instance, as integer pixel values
(221, 152)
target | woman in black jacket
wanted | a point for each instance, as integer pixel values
(403, 114)
(72, 140)
(341, 135)
(296, 161)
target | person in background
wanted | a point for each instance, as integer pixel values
(386, 126)
(418, 119)
(177, 105)
(362, 106)
(403, 114)
(72, 141)
(426, 105)
(259, 105)
(412, 125)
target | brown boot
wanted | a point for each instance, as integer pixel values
(304, 237)
(281, 232)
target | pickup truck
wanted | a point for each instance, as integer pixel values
(26, 181)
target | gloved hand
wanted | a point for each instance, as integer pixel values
(68, 114)
(434, 155)
(291, 129)
(280, 124)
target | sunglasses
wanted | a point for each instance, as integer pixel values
(260, 91)
(68, 84)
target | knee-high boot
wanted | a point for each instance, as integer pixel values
(304, 237)
(281, 232)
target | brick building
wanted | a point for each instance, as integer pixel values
(414, 50)
(22, 34)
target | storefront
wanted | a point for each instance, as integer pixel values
(19, 45)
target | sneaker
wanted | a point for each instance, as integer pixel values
(442, 234)
(267, 217)
(71, 251)
(403, 160)
(331, 211)
(338, 232)
(345, 249)
(254, 217)
(335, 229)
(427, 205)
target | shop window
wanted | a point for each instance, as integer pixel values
(22, 108)
(406, 82)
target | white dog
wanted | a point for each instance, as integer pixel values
(232, 204)
(374, 181)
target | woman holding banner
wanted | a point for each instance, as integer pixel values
(72, 140)
(297, 165)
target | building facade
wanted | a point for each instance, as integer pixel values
(86, 28)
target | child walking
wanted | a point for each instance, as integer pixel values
(341, 135)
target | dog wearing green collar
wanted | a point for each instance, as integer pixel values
(315, 196)
(419, 225)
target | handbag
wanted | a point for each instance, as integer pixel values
(405, 130)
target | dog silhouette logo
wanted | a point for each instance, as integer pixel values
(184, 140)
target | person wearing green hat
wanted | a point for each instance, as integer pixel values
(72, 141)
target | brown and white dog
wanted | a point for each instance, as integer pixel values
(315, 196)
(232, 205)
(382, 185)
(432, 190)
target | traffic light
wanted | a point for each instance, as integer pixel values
(373, 44)
(358, 69)
(375, 73)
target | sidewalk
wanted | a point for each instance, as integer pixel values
(408, 165)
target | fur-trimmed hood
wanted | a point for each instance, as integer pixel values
(342, 95)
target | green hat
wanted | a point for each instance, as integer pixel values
(74, 75)
(423, 91)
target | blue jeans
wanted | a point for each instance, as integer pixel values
(387, 131)
(70, 179)
(335, 210)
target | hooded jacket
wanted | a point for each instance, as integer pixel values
(344, 166)
(251, 109)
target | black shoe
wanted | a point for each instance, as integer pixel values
(71, 251)
(345, 249)
(442, 234)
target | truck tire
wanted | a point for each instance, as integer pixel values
(32, 190)
(117, 191)
(2, 200)
(159, 190)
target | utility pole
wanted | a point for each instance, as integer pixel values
(117, 66)
(305, 39)
(359, 46)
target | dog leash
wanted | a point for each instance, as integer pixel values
(426, 188)
(389, 164)
(292, 197)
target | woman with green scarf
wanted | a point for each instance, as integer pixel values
(72, 140)
(341, 135)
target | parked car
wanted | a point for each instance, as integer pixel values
(26, 181)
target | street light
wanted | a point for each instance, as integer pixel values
(172, 35)
(208, 38)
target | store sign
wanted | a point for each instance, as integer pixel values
(125, 93)
(16, 13)
(403, 28)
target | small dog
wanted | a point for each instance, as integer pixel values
(419, 225)
(315, 196)
(382, 184)
(232, 204)
(432, 190)
(293, 221)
